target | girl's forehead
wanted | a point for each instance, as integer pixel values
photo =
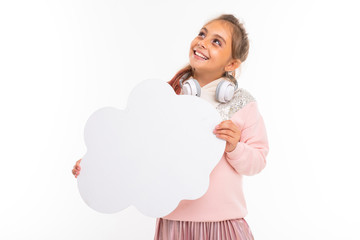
(219, 27)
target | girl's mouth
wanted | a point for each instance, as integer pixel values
(200, 56)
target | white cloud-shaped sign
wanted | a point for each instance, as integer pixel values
(156, 152)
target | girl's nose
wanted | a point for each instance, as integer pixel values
(202, 44)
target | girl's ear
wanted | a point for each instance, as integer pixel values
(232, 65)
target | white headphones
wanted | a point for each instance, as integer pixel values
(224, 90)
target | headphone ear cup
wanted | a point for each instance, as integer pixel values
(224, 91)
(191, 87)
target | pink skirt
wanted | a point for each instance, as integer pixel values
(233, 229)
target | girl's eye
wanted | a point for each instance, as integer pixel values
(219, 43)
(215, 40)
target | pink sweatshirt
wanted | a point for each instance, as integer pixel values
(224, 198)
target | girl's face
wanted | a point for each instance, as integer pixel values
(213, 44)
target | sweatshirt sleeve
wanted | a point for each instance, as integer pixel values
(249, 156)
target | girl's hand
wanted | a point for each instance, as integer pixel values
(228, 131)
(77, 168)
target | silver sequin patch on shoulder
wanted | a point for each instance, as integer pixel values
(241, 98)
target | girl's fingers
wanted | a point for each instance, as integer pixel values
(228, 126)
(77, 164)
(225, 137)
(75, 173)
(76, 169)
(225, 132)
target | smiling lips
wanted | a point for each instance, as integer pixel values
(200, 54)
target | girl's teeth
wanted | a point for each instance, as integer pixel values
(200, 55)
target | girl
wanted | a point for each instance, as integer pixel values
(218, 50)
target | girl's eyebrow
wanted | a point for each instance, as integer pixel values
(215, 34)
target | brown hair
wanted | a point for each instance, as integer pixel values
(239, 48)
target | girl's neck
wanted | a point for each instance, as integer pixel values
(205, 78)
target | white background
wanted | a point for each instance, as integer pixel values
(62, 60)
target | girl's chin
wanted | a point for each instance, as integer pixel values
(199, 67)
(195, 62)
